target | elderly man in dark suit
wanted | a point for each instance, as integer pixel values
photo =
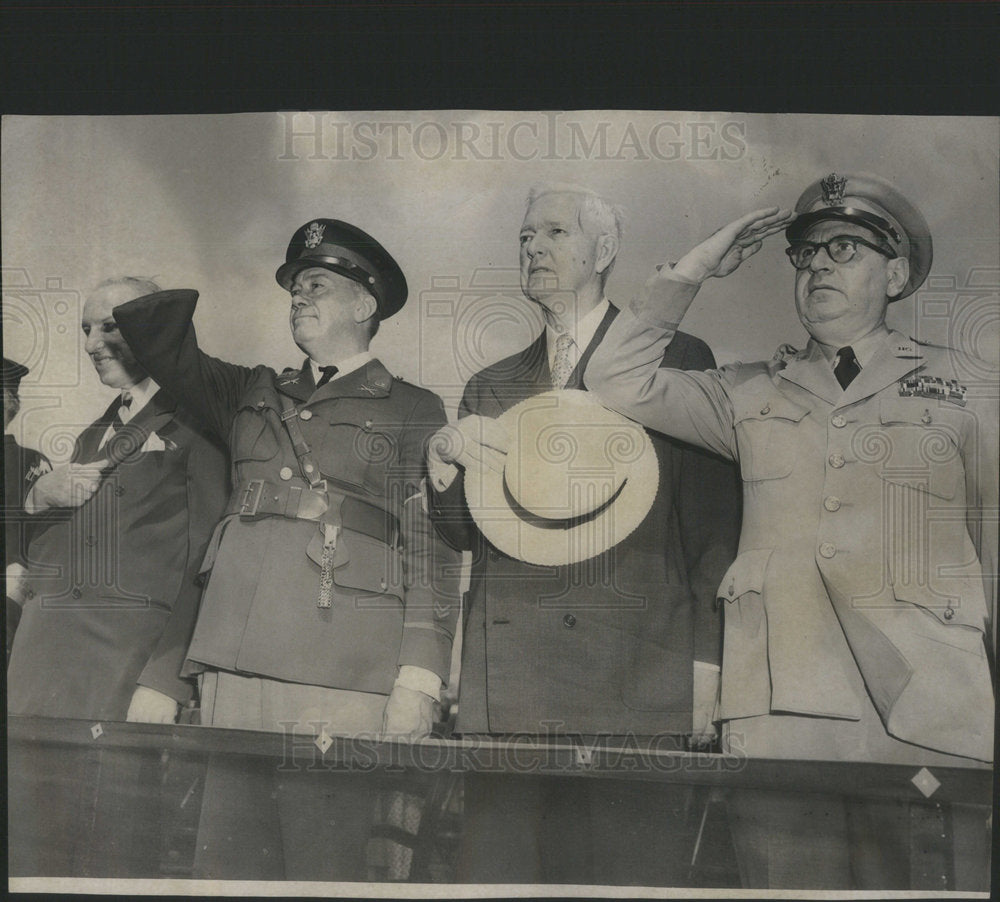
(627, 643)
(111, 591)
(332, 603)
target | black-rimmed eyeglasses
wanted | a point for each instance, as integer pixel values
(839, 249)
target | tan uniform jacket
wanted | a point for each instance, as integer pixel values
(869, 538)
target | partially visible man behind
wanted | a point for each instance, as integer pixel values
(625, 644)
(21, 467)
(111, 591)
(858, 614)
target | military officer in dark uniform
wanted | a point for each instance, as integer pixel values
(331, 604)
(21, 467)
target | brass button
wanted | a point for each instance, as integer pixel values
(285, 473)
(827, 550)
(949, 613)
(119, 490)
(926, 418)
(383, 584)
(836, 460)
(305, 414)
(765, 410)
(76, 593)
(831, 503)
(368, 424)
(309, 468)
(732, 589)
(838, 421)
(569, 621)
(261, 403)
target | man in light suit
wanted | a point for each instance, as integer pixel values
(858, 614)
(626, 643)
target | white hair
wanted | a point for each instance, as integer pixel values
(142, 284)
(597, 214)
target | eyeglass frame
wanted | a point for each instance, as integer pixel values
(825, 245)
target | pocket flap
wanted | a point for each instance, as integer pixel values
(969, 611)
(767, 407)
(371, 566)
(745, 574)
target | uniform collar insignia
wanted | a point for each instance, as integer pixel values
(933, 387)
(833, 189)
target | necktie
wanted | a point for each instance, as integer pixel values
(562, 364)
(328, 373)
(847, 366)
(123, 412)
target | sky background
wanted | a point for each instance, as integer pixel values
(210, 202)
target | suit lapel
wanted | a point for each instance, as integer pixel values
(88, 442)
(128, 441)
(528, 375)
(576, 377)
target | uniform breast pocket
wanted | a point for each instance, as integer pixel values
(768, 438)
(356, 455)
(253, 435)
(916, 445)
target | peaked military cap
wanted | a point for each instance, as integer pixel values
(13, 372)
(870, 201)
(351, 252)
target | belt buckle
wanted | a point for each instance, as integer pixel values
(251, 498)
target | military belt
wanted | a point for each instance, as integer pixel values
(259, 498)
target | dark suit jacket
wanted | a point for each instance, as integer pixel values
(114, 580)
(606, 645)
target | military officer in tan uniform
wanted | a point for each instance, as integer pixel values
(858, 613)
(331, 604)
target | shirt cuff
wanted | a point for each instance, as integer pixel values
(419, 680)
(672, 273)
(704, 665)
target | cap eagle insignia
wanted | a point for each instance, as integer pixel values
(314, 234)
(833, 189)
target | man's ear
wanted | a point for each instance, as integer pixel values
(898, 270)
(365, 307)
(607, 250)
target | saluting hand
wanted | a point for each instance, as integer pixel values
(724, 250)
(67, 485)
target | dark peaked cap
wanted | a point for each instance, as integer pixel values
(351, 252)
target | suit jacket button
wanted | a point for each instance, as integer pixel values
(305, 414)
(839, 421)
(494, 556)
(765, 410)
(119, 490)
(949, 613)
(569, 621)
(76, 593)
(837, 460)
(828, 550)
